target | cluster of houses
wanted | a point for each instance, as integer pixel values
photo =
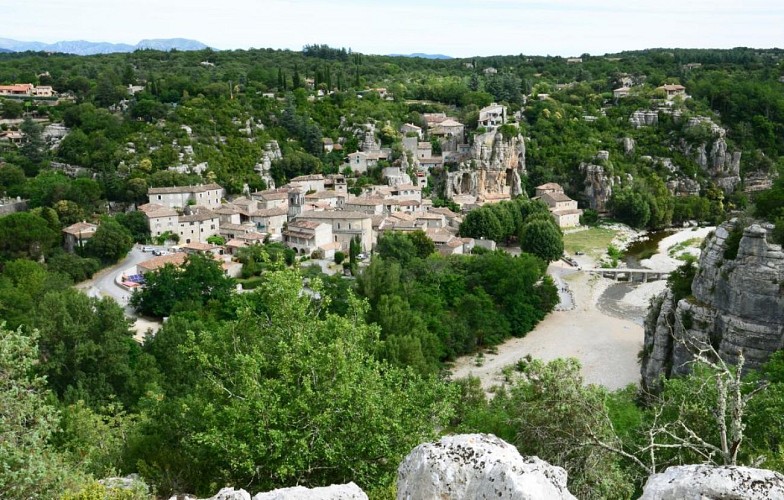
(23, 90)
(671, 91)
(314, 215)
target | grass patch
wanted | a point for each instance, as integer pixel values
(593, 241)
(676, 251)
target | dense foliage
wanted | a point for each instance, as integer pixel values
(337, 380)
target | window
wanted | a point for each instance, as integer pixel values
(159, 197)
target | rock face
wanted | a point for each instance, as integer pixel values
(494, 167)
(477, 466)
(348, 491)
(705, 481)
(598, 186)
(271, 153)
(644, 118)
(713, 156)
(683, 186)
(737, 305)
(231, 494)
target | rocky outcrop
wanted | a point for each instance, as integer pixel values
(644, 118)
(598, 186)
(683, 186)
(629, 145)
(705, 481)
(757, 181)
(737, 304)
(231, 494)
(714, 156)
(477, 466)
(271, 153)
(494, 167)
(348, 491)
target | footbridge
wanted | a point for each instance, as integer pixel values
(630, 275)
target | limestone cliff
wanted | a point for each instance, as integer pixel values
(493, 167)
(737, 304)
(264, 167)
(714, 155)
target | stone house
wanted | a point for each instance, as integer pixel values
(229, 214)
(205, 195)
(673, 91)
(197, 224)
(449, 128)
(563, 209)
(424, 150)
(492, 116)
(271, 198)
(175, 259)
(305, 237)
(329, 199)
(446, 243)
(410, 128)
(345, 226)
(621, 92)
(360, 161)
(76, 235)
(270, 220)
(17, 90)
(160, 219)
(231, 231)
(314, 183)
(327, 144)
(371, 205)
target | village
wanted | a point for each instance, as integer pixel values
(317, 217)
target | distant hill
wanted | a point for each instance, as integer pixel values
(85, 48)
(423, 56)
(5, 51)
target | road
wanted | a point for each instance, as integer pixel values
(103, 284)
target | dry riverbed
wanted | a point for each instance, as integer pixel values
(604, 329)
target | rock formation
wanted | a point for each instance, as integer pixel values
(477, 466)
(705, 481)
(737, 304)
(683, 186)
(629, 145)
(271, 153)
(348, 491)
(598, 186)
(713, 156)
(494, 167)
(644, 118)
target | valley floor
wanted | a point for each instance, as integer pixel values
(603, 329)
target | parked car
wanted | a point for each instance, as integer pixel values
(147, 249)
(160, 252)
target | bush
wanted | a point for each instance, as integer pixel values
(339, 257)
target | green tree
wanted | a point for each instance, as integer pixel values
(23, 234)
(30, 468)
(306, 386)
(111, 241)
(543, 239)
(34, 147)
(88, 350)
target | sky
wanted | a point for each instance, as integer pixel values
(459, 28)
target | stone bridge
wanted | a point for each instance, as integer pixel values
(630, 275)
